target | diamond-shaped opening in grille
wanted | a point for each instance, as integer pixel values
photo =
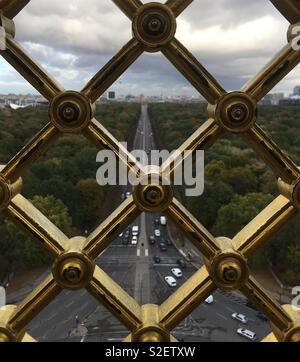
(279, 112)
(77, 308)
(213, 320)
(224, 37)
(82, 42)
(22, 113)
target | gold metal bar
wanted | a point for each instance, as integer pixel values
(34, 303)
(274, 157)
(30, 69)
(185, 299)
(22, 212)
(270, 338)
(11, 8)
(103, 139)
(30, 152)
(286, 60)
(264, 225)
(28, 339)
(259, 297)
(199, 236)
(290, 9)
(112, 70)
(202, 139)
(129, 7)
(193, 71)
(109, 230)
(115, 299)
(178, 6)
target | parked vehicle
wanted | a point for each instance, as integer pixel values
(156, 259)
(181, 263)
(120, 235)
(247, 334)
(123, 196)
(177, 272)
(157, 233)
(135, 231)
(171, 281)
(209, 300)
(152, 240)
(128, 194)
(240, 317)
(156, 222)
(163, 220)
(163, 247)
(127, 233)
(262, 317)
(134, 240)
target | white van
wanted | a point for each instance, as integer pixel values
(163, 220)
(135, 231)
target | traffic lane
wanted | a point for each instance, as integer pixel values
(57, 320)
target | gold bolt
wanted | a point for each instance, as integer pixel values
(230, 271)
(151, 337)
(238, 112)
(3, 337)
(153, 195)
(72, 273)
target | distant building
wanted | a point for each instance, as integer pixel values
(292, 101)
(297, 91)
(111, 96)
(273, 99)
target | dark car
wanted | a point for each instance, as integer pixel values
(156, 222)
(126, 240)
(181, 263)
(156, 259)
(152, 240)
(127, 233)
(262, 317)
(163, 247)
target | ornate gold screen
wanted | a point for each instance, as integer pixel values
(154, 28)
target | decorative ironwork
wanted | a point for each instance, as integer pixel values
(226, 267)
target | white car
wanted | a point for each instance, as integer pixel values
(177, 272)
(240, 317)
(171, 281)
(209, 300)
(247, 334)
(163, 220)
(134, 240)
(135, 230)
(128, 194)
(157, 233)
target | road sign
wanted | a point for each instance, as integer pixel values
(2, 297)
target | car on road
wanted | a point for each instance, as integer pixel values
(157, 233)
(127, 233)
(181, 263)
(134, 240)
(156, 222)
(209, 300)
(135, 230)
(177, 272)
(240, 317)
(151, 239)
(171, 281)
(120, 235)
(163, 220)
(163, 247)
(156, 259)
(247, 334)
(128, 194)
(123, 196)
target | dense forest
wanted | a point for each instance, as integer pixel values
(62, 183)
(238, 184)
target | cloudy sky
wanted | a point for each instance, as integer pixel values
(74, 38)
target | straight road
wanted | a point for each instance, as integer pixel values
(132, 266)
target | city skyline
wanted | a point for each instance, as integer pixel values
(85, 38)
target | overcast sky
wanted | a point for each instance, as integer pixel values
(74, 38)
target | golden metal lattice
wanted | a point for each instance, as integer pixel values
(226, 267)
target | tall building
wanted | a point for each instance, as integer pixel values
(297, 90)
(111, 96)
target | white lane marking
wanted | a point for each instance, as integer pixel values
(69, 304)
(221, 316)
(138, 253)
(182, 252)
(230, 309)
(146, 252)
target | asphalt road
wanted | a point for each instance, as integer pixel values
(134, 269)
